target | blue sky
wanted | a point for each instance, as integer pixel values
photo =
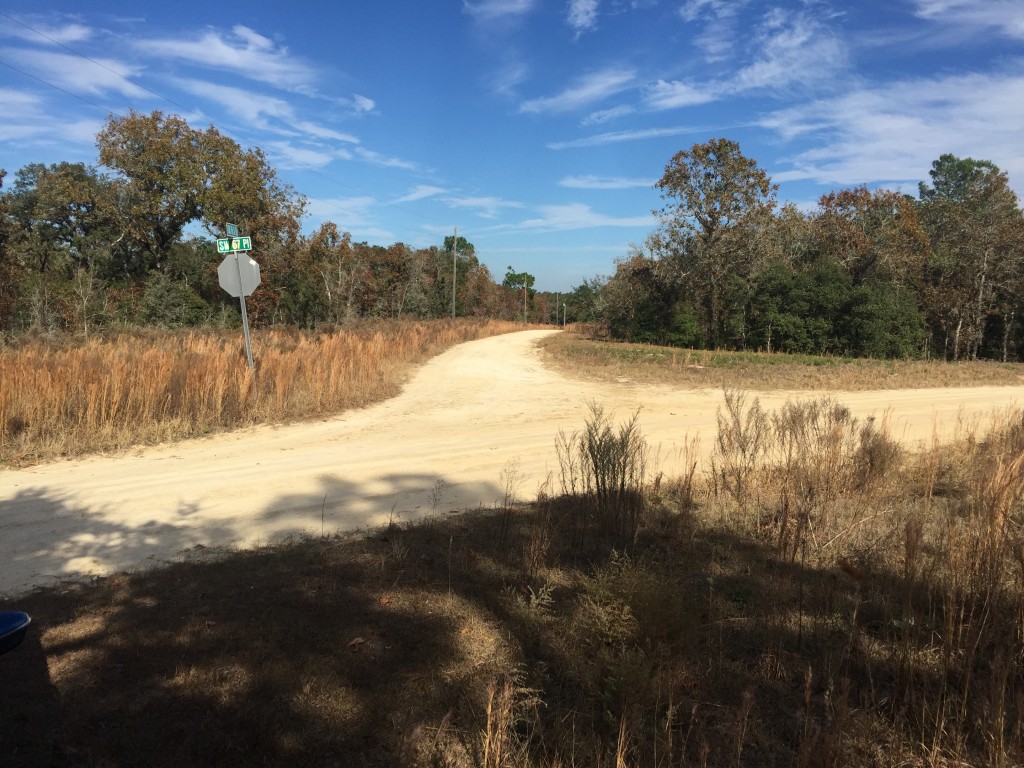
(537, 127)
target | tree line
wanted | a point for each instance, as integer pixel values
(81, 248)
(868, 273)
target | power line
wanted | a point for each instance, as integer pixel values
(56, 87)
(93, 61)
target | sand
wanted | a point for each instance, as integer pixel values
(469, 421)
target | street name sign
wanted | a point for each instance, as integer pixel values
(232, 244)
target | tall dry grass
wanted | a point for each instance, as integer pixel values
(910, 588)
(137, 388)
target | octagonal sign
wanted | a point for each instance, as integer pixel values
(239, 275)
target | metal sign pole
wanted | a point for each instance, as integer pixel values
(245, 317)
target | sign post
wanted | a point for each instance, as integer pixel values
(239, 277)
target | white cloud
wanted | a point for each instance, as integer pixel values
(256, 106)
(383, 161)
(351, 214)
(243, 52)
(486, 207)
(580, 216)
(290, 156)
(323, 132)
(893, 132)
(583, 15)
(77, 75)
(587, 90)
(718, 38)
(491, 10)
(363, 104)
(604, 182)
(793, 49)
(616, 137)
(41, 32)
(1006, 16)
(505, 80)
(421, 192)
(675, 94)
(606, 115)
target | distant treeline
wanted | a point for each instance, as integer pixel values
(869, 273)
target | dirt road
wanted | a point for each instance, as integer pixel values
(470, 418)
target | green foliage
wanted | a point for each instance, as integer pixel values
(883, 321)
(170, 303)
(518, 281)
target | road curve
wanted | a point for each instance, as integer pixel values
(446, 443)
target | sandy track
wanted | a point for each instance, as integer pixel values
(467, 416)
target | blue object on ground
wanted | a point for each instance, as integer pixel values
(13, 625)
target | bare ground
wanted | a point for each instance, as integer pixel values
(475, 424)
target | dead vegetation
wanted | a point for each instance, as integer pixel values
(108, 394)
(812, 595)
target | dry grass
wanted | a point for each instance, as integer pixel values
(810, 596)
(759, 371)
(110, 394)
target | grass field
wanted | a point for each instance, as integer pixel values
(760, 371)
(810, 596)
(60, 399)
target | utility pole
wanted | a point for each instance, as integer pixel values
(455, 254)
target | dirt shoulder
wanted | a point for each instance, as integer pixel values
(474, 423)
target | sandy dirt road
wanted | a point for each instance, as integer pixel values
(444, 444)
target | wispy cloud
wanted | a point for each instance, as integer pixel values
(580, 216)
(720, 18)
(583, 15)
(794, 49)
(291, 156)
(587, 90)
(43, 32)
(384, 161)
(675, 94)
(507, 78)
(607, 115)
(1005, 16)
(616, 137)
(604, 182)
(363, 103)
(100, 76)
(492, 10)
(893, 132)
(243, 52)
(351, 214)
(421, 192)
(485, 207)
(268, 111)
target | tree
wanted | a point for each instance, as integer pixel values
(519, 281)
(976, 228)
(171, 175)
(714, 193)
(874, 236)
(11, 271)
(64, 213)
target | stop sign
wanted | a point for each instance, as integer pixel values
(239, 275)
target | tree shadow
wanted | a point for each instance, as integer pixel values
(377, 648)
(291, 653)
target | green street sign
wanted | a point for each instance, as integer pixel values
(230, 244)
